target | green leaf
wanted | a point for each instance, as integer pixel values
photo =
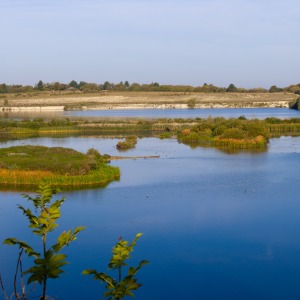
(66, 237)
(22, 245)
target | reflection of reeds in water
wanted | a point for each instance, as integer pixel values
(291, 128)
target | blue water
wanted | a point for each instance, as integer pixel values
(250, 113)
(216, 226)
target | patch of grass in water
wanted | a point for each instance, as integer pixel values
(69, 169)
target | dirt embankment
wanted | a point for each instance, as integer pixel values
(143, 100)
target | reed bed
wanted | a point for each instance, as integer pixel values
(285, 128)
(31, 179)
(232, 134)
(258, 142)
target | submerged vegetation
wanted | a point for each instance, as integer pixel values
(28, 166)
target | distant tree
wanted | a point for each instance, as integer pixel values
(81, 84)
(28, 88)
(15, 88)
(155, 84)
(40, 85)
(275, 89)
(3, 88)
(257, 90)
(231, 88)
(57, 86)
(126, 83)
(295, 88)
(135, 87)
(118, 87)
(74, 84)
(107, 86)
(89, 88)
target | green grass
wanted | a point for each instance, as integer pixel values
(233, 133)
(240, 132)
(63, 167)
(129, 143)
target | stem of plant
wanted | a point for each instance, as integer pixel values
(22, 280)
(120, 274)
(3, 289)
(16, 273)
(45, 277)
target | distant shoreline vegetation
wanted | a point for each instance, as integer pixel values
(238, 133)
(88, 87)
(28, 166)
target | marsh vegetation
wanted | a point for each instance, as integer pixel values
(28, 166)
(129, 143)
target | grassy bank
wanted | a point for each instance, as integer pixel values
(28, 166)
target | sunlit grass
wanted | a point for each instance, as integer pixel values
(63, 167)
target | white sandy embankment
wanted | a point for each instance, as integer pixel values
(277, 104)
(32, 108)
(140, 106)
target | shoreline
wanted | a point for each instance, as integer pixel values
(142, 106)
(143, 100)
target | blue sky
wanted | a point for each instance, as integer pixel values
(248, 43)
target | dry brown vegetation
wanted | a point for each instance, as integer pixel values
(143, 100)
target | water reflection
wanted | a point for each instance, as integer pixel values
(219, 226)
(249, 113)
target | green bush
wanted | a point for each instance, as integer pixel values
(129, 143)
(191, 103)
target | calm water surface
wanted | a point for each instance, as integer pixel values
(216, 226)
(250, 113)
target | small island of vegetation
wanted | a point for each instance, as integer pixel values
(28, 166)
(230, 134)
(129, 143)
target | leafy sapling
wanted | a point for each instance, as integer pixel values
(124, 285)
(48, 261)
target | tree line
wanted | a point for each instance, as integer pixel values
(88, 87)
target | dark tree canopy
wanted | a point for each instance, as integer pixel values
(275, 89)
(231, 88)
(40, 85)
(74, 84)
(3, 88)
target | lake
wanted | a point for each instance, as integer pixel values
(215, 225)
(250, 113)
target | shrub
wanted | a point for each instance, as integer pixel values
(129, 143)
(191, 103)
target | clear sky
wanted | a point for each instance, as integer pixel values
(251, 43)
